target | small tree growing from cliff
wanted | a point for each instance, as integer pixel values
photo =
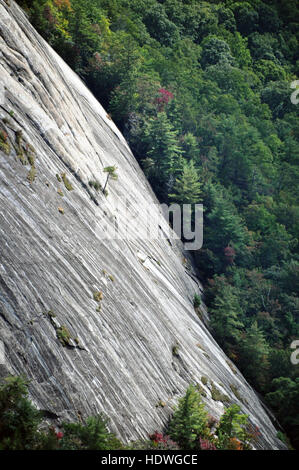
(190, 421)
(111, 173)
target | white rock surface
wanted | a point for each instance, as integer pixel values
(53, 261)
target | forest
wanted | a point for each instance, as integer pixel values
(205, 94)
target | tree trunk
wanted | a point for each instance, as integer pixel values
(106, 183)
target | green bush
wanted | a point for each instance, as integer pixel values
(93, 435)
(190, 420)
(20, 422)
(197, 301)
(19, 419)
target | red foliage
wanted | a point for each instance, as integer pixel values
(49, 16)
(162, 441)
(205, 444)
(163, 99)
(230, 254)
(63, 4)
(59, 435)
(3, 136)
(253, 432)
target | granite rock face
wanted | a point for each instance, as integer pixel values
(96, 323)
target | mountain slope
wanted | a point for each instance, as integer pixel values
(53, 258)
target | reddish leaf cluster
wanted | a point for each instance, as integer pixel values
(162, 441)
(253, 432)
(205, 444)
(163, 99)
(63, 4)
(229, 254)
(49, 15)
(3, 136)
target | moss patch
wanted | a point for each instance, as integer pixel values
(196, 301)
(175, 350)
(204, 380)
(98, 296)
(160, 404)
(51, 314)
(63, 335)
(19, 148)
(31, 174)
(235, 391)
(217, 395)
(30, 154)
(67, 183)
(201, 390)
(96, 185)
(4, 144)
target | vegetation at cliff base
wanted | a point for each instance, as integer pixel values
(202, 92)
(22, 427)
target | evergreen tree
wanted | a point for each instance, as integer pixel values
(187, 188)
(226, 315)
(163, 150)
(189, 421)
(232, 430)
(19, 419)
(254, 352)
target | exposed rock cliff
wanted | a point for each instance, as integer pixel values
(119, 359)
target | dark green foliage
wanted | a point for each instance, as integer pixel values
(190, 420)
(187, 187)
(19, 419)
(90, 436)
(190, 426)
(233, 430)
(20, 425)
(284, 399)
(196, 301)
(215, 51)
(226, 314)
(96, 185)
